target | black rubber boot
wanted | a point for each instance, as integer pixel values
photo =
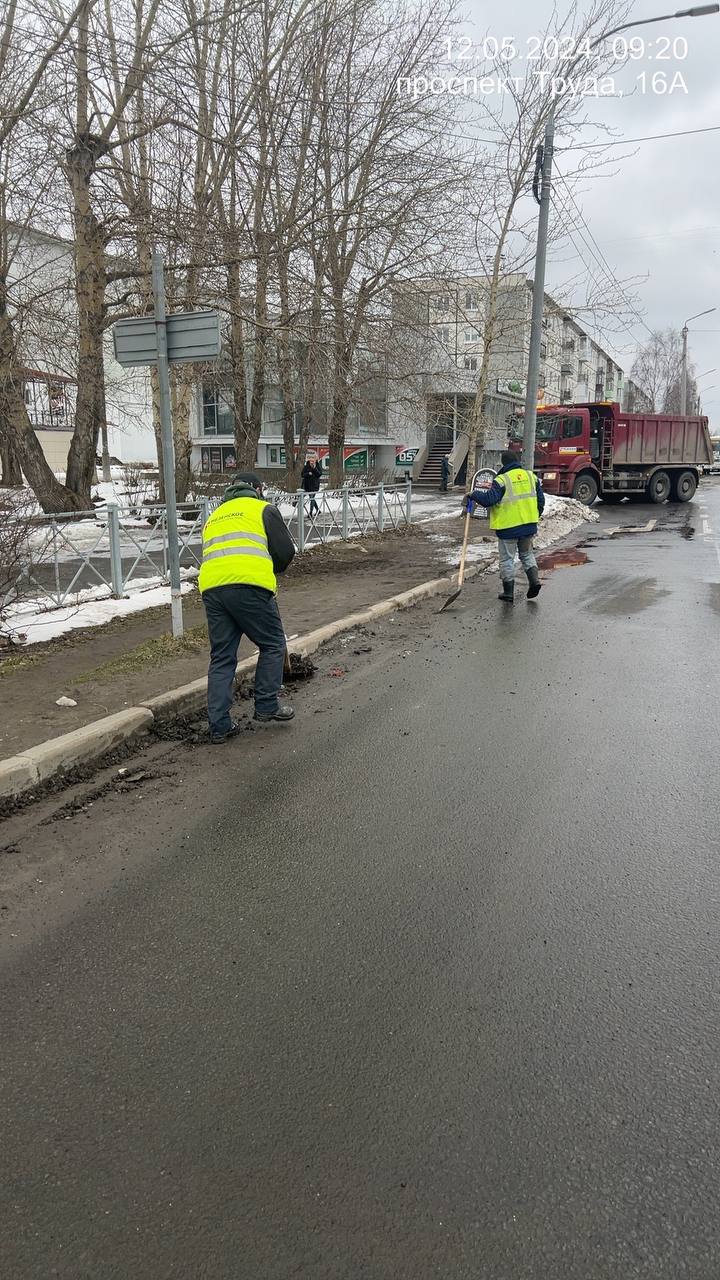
(535, 584)
(508, 592)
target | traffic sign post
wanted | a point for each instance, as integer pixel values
(163, 340)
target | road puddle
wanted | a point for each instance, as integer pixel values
(565, 558)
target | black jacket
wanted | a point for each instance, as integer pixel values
(311, 474)
(280, 544)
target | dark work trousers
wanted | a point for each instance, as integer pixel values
(234, 612)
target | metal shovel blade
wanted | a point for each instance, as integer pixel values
(450, 599)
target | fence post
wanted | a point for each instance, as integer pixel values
(116, 573)
(301, 519)
(345, 511)
(408, 502)
(204, 512)
(381, 507)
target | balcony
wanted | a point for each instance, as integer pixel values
(567, 369)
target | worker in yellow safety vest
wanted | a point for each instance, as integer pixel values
(245, 544)
(515, 502)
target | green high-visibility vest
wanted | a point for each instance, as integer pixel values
(519, 502)
(235, 547)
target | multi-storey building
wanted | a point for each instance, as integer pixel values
(449, 318)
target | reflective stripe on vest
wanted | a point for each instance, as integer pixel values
(235, 547)
(519, 502)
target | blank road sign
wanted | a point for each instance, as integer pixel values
(191, 335)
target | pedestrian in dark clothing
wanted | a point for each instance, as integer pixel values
(444, 473)
(516, 502)
(311, 476)
(245, 544)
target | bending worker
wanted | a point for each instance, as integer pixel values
(516, 502)
(245, 544)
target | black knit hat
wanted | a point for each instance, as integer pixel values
(510, 458)
(248, 477)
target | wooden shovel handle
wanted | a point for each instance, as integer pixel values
(463, 553)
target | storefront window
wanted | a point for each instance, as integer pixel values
(216, 459)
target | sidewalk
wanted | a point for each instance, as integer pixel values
(109, 668)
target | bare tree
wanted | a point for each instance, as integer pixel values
(505, 229)
(657, 371)
(26, 173)
(389, 176)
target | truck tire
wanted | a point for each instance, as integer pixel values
(658, 489)
(683, 487)
(585, 489)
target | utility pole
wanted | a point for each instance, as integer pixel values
(684, 360)
(683, 374)
(168, 447)
(544, 163)
(699, 11)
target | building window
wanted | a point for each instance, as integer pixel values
(442, 333)
(471, 335)
(470, 362)
(277, 456)
(217, 418)
(441, 302)
(543, 350)
(471, 302)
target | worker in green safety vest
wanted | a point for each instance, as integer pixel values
(245, 544)
(515, 502)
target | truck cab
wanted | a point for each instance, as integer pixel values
(567, 445)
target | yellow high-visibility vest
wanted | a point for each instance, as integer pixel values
(235, 547)
(519, 503)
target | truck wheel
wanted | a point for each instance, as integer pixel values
(684, 486)
(658, 489)
(585, 489)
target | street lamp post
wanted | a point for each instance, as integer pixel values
(683, 367)
(545, 154)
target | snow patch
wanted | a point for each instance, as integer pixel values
(31, 623)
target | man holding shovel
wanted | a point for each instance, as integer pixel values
(245, 544)
(516, 502)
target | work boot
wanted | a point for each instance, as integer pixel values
(283, 714)
(216, 738)
(508, 591)
(535, 587)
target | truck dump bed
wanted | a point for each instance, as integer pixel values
(653, 439)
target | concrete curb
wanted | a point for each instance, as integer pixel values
(44, 761)
(38, 764)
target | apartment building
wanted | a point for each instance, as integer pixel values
(449, 317)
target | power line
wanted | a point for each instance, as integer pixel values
(649, 137)
(602, 260)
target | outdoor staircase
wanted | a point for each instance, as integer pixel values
(431, 474)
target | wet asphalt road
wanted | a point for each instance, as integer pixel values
(426, 985)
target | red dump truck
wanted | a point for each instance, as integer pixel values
(586, 450)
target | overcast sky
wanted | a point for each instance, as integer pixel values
(659, 216)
